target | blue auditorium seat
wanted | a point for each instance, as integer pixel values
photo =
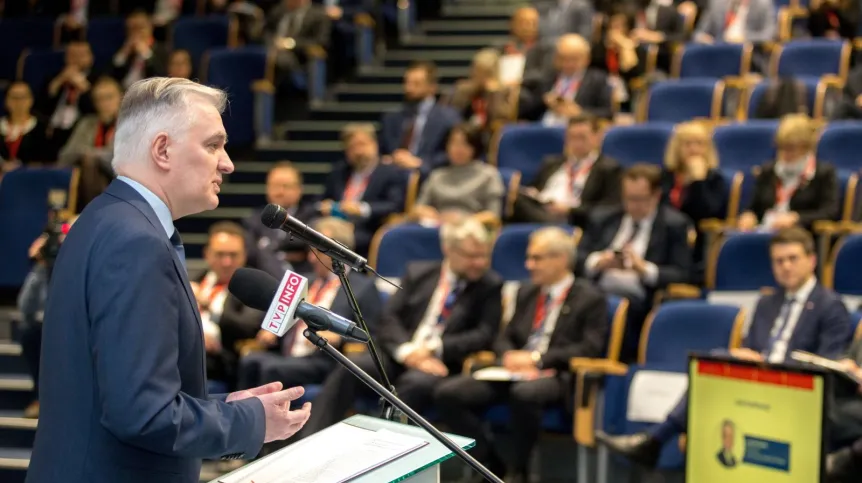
(742, 263)
(637, 143)
(742, 146)
(402, 244)
(713, 61)
(24, 213)
(523, 147)
(17, 34)
(39, 67)
(845, 264)
(234, 70)
(199, 34)
(672, 331)
(814, 94)
(106, 36)
(841, 145)
(811, 58)
(684, 100)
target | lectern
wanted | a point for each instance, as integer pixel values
(419, 466)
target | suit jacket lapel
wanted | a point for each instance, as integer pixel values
(804, 316)
(551, 165)
(563, 316)
(656, 238)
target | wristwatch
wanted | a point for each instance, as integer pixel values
(537, 359)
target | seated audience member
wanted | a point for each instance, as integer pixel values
(691, 181)
(141, 56)
(67, 96)
(362, 189)
(23, 133)
(659, 23)
(850, 106)
(482, 99)
(845, 464)
(558, 18)
(833, 19)
(800, 315)
(795, 189)
(522, 54)
(272, 250)
(414, 136)
(291, 28)
(568, 89)
(225, 319)
(292, 359)
(556, 317)
(737, 21)
(444, 312)
(633, 250)
(73, 16)
(465, 185)
(569, 185)
(91, 144)
(620, 54)
(180, 64)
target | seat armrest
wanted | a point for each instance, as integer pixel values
(714, 225)
(478, 360)
(363, 19)
(315, 52)
(245, 347)
(353, 348)
(588, 375)
(597, 366)
(682, 291)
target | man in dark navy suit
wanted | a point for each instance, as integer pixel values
(363, 190)
(293, 360)
(414, 137)
(274, 251)
(800, 315)
(123, 380)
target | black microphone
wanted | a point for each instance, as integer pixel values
(259, 290)
(277, 218)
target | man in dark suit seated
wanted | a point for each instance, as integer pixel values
(293, 360)
(800, 315)
(443, 313)
(274, 251)
(568, 88)
(556, 318)
(414, 136)
(363, 190)
(571, 184)
(636, 249)
(225, 319)
(845, 418)
(141, 56)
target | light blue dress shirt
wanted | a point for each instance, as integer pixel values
(159, 206)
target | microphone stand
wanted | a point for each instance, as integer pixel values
(393, 400)
(387, 409)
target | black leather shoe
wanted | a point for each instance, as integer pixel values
(640, 448)
(842, 466)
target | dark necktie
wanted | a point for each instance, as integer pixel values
(177, 242)
(636, 228)
(449, 302)
(783, 320)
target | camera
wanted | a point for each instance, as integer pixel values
(56, 228)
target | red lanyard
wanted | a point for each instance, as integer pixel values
(355, 188)
(104, 135)
(585, 167)
(832, 17)
(319, 289)
(71, 95)
(567, 90)
(480, 109)
(13, 145)
(675, 194)
(730, 16)
(542, 311)
(612, 60)
(784, 193)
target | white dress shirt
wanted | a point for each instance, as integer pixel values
(736, 29)
(626, 281)
(429, 334)
(778, 351)
(560, 188)
(211, 316)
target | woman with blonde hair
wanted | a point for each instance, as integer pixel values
(795, 189)
(481, 98)
(691, 181)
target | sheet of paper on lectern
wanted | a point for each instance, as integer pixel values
(338, 454)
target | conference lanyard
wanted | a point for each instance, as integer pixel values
(575, 175)
(732, 12)
(356, 186)
(567, 88)
(540, 317)
(787, 309)
(784, 193)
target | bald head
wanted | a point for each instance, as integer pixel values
(572, 54)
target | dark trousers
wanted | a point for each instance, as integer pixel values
(463, 400)
(845, 420)
(31, 349)
(259, 368)
(528, 210)
(341, 390)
